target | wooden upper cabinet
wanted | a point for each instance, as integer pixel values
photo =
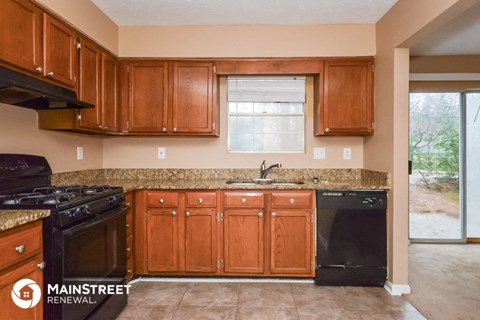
(148, 97)
(192, 106)
(347, 104)
(60, 51)
(21, 35)
(89, 86)
(109, 93)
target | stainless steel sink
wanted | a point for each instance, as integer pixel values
(255, 182)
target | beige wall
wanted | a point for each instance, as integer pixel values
(212, 152)
(248, 41)
(19, 134)
(405, 24)
(86, 17)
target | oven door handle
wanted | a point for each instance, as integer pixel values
(114, 212)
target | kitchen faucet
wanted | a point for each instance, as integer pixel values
(264, 170)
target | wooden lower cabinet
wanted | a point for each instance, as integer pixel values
(200, 240)
(290, 241)
(227, 233)
(243, 241)
(129, 200)
(162, 240)
(22, 258)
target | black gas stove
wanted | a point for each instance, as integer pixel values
(84, 239)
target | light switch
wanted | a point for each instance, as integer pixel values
(162, 153)
(347, 153)
(79, 153)
(319, 153)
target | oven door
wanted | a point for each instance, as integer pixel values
(94, 253)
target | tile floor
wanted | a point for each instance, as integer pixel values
(258, 301)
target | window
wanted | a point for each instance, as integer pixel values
(266, 114)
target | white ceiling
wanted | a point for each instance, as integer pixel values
(460, 36)
(241, 12)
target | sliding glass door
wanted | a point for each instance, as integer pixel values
(436, 124)
(472, 160)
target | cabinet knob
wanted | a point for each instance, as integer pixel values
(20, 248)
(291, 201)
(164, 129)
(127, 204)
(260, 214)
(161, 201)
(187, 214)
(200, 200)
(244, 200)
(50, 74)
(128, 249)
(174, 213)
(127, 225)
(327, 130)
(41, 265)
(100, 127)
(129, 271)
(274, 214)
(174, 129)
(39, 69)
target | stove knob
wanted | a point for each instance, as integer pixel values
(77, 212)
(111, 200)
(87, 209)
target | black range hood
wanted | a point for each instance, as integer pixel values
(21, 90)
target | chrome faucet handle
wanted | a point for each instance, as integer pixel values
(263, 165)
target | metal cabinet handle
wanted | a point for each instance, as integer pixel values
(39, 69)
(274, 214)
(20, 248)
(260, 214)
(187, 214)
(50, 74)
(161, 201)
(174, 129)
(164, 129)
(244, 200)
(327, 130)
(174, 213)
(200, 200)
(42, 265)
(291, 201)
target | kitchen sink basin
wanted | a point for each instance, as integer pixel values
(272, 182)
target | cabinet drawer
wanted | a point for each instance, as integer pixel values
(201, 199)
(20, 244)
(291, 199)
(162, 199)
(243, 199)
(129, 246)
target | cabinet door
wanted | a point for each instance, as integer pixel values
(109, 93)
(192, 108)
(200, 240)
(89, 84)
(243, 241)
(290, 237)
(21, 34)
(60, 52)
(148, 94)
(8, 309)
(348, 98)
(162, 240)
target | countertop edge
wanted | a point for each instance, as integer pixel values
(10, 219)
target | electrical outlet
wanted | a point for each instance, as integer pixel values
(347, 153)
(319, 153)
(79, 153)
(162, 153)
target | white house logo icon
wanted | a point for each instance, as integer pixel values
(26, 293)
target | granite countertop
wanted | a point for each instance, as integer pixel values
(13, 218)
(139, 184)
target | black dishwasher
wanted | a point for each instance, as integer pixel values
(351, 238)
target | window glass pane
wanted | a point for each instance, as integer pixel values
(244, 107)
